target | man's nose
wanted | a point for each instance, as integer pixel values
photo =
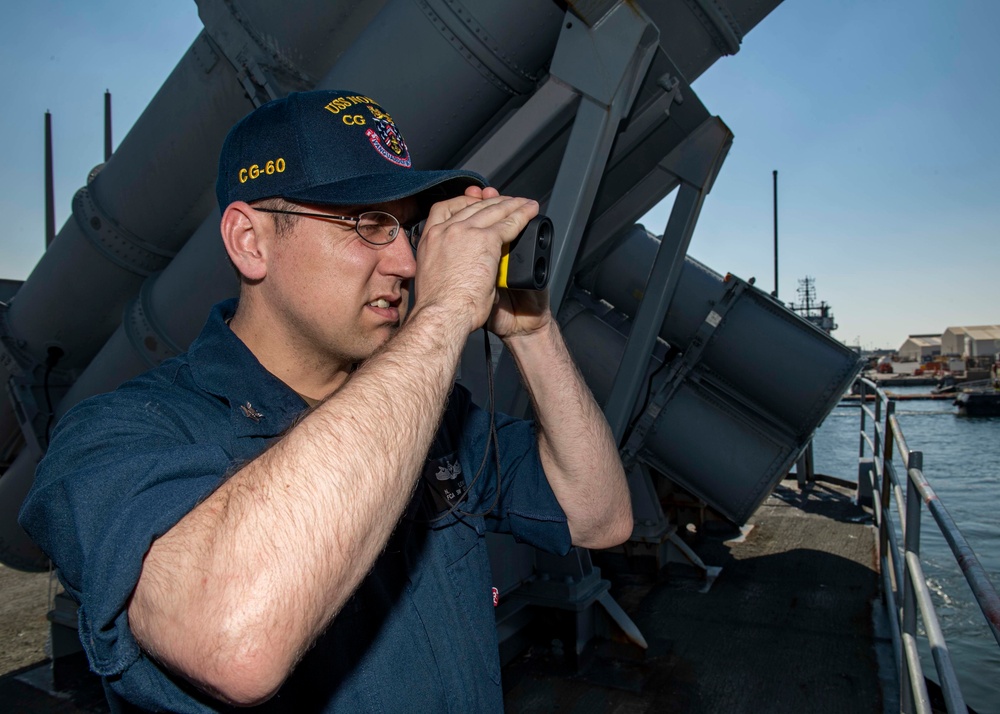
(398, 258)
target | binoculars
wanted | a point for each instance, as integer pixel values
(524, 262)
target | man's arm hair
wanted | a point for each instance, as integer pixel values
(237, 591)
(575, 444)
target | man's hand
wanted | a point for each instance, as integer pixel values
(516, 313)
(575, 444)
(520, 313)
(459, 255)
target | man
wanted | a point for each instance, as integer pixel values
(229, 545)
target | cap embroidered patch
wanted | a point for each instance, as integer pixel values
(386, 138)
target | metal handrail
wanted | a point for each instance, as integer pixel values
(905, 589)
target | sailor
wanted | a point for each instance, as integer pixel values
(292, 515)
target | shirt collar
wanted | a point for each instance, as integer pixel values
(221, 364)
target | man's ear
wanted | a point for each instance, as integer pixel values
(245, 234)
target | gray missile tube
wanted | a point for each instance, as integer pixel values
(171, 306)
(440, 117)
(451, 71)
(140, 209)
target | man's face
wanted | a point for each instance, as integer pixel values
(340, 298)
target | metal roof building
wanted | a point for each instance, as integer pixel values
(974, 341)
(919, 348)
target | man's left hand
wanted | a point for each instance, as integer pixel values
(520, 313)
(517, 313)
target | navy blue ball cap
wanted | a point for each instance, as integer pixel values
(328, 147)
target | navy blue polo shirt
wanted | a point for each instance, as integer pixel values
(419, 633)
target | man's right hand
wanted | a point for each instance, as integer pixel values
(459, 253)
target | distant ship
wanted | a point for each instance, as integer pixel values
(819, 314)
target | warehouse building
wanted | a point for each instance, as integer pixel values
(920, 348)
(971, 342)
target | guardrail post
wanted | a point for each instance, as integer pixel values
(886, 484)
(866, 477)
(879, 430)
(890, 410)
(911, 544)
(861, 436)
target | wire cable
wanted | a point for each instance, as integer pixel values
(51, 360)
(492, 440)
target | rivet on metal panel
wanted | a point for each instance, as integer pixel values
(115, 242)
(721, 26)
(203, 53)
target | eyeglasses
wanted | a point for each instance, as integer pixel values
(374, 227)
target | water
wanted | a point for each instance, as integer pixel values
(962, 464)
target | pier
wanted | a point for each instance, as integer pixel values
(948, 397)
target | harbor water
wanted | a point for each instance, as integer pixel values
(962, 464)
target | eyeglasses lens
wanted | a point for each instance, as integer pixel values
(377, 227)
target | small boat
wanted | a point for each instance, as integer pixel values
(981, 398)
(978, 402)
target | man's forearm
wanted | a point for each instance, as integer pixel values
(239, 588)
(575, 444)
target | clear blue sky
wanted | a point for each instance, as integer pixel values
(879, 115)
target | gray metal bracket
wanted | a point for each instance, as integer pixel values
(651, 523)
(653, 535)
(113, 241)
(13, 356)
(677, 370)
(250, 55)
(572, 583)
(697, 170)
(606, 65)
(696, 160)
(720, 24)
(34, 397)
(709, 572)
(29, 389)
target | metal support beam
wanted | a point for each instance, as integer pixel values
(805, 472)
(653, 308)
(543, 116)
(697, 167)
(697, 160)
(606, 64)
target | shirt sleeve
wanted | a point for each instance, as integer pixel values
(526, 508)
(116, 476)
